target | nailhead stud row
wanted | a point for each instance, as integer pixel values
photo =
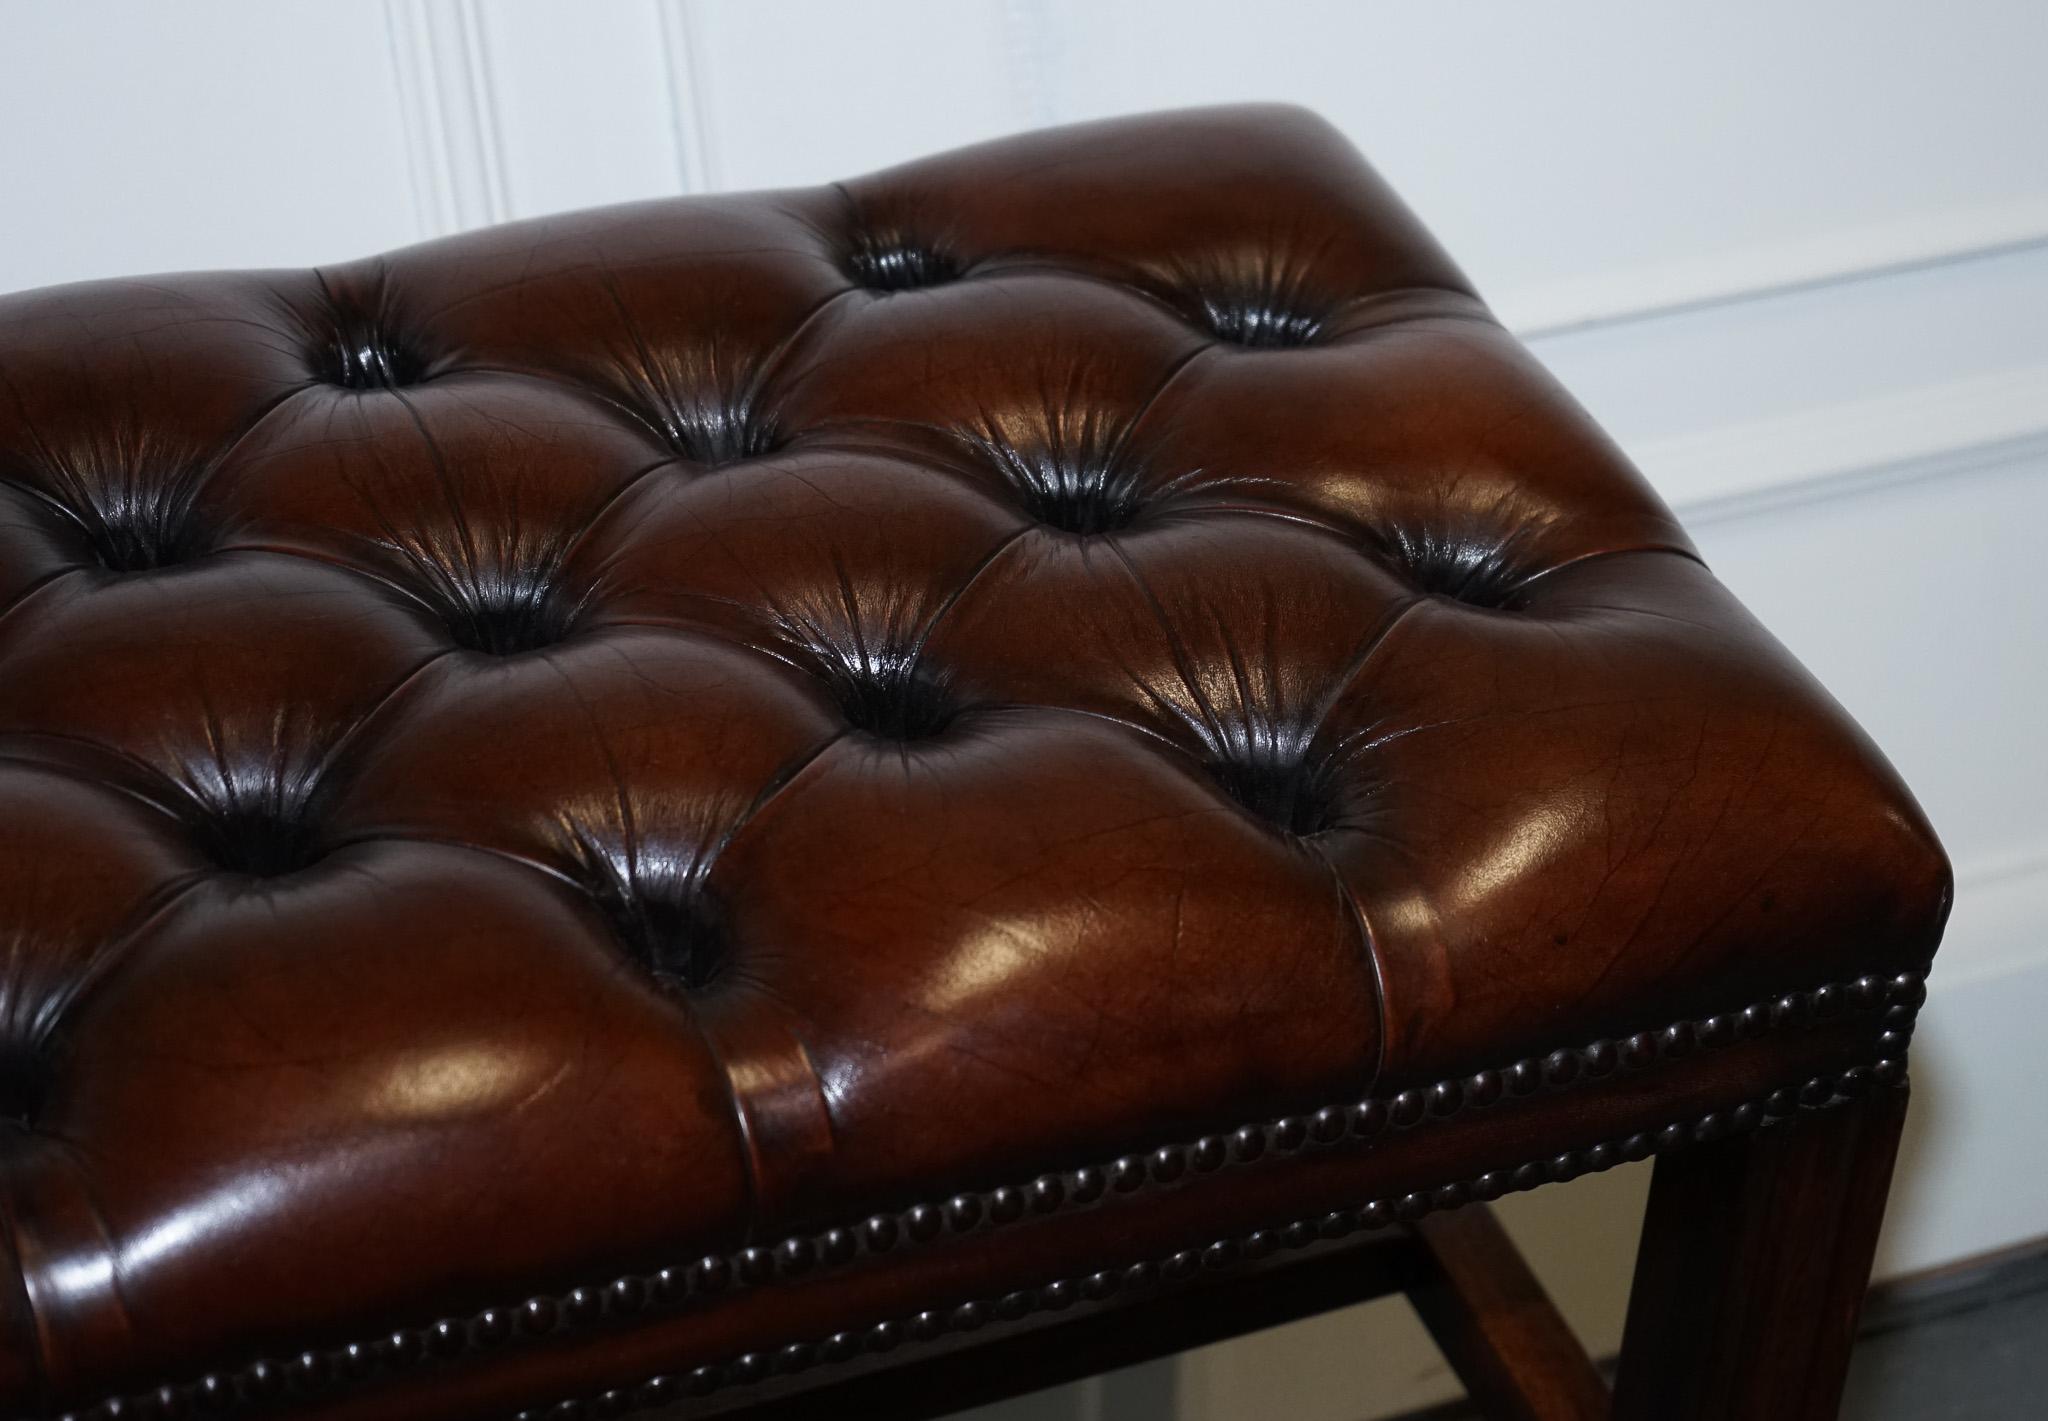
(1817, 1093)
(317, 1371)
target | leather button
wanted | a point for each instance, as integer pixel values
(1256, 323)
(671, 929)
(260, 840)
(713, 433)
(1082, 497)
(509, 620)
(891, 697)
(1289, 790)
(144, 527)
(372, 363)
(361, 352)
(900, 266)
(1460, 568)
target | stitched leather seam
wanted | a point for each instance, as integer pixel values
(316, 1372)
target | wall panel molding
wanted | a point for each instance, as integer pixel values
(456, 149)
(689, 97)
(1939, 431)
(1031, 48)
(1736, 407)
(1747, 274)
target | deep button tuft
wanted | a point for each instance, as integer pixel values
(883, 265)
(890, 696)
(360, 355)
(721, 434)
(1082, 497)
(24, 1082)
(509, 618)
(145, 525)
(670, 926)
(1469, 570)
(1258, 322)
(266, 840)
(1283, 786)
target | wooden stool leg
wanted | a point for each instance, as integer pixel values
(1756, 1253)
(1496, 1326)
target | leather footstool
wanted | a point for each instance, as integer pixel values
(863, 798)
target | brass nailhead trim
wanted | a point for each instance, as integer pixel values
(1817, 1094)
(317, 1372)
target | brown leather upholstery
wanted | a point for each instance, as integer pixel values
(632, 790)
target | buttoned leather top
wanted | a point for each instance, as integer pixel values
(616, 737)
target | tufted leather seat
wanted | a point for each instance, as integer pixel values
(651, 799)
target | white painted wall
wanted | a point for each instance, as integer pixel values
(1795, 256)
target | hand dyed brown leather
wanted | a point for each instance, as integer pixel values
(666, 797)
